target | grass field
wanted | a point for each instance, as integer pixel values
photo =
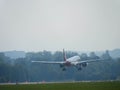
(65, 86)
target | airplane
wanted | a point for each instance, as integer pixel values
(68, 62)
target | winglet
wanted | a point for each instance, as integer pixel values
(64, 55)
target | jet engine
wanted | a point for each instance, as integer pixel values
(84, 64)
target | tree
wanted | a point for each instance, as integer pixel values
(93, 56)
(84, 56)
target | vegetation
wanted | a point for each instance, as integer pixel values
(22, 70)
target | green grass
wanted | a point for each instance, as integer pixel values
(65, 86)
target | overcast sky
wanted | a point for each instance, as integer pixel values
(35, 25)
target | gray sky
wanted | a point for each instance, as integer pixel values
(34, 25)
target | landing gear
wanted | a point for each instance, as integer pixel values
(79, 68)
(64, 69)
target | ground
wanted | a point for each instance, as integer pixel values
(111, 85)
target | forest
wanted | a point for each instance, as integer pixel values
(22, 70)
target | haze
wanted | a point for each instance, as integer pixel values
(34, 25)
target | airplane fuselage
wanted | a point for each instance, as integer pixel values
(72, 61)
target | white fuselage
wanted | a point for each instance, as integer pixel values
(72, 61)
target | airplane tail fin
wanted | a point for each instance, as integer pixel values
(64, 55)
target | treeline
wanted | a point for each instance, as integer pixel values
(22, 70)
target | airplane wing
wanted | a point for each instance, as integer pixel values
(90, 60)
(48, 62)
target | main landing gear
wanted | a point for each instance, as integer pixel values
(64, 69)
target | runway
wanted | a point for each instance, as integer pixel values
(44, 82)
